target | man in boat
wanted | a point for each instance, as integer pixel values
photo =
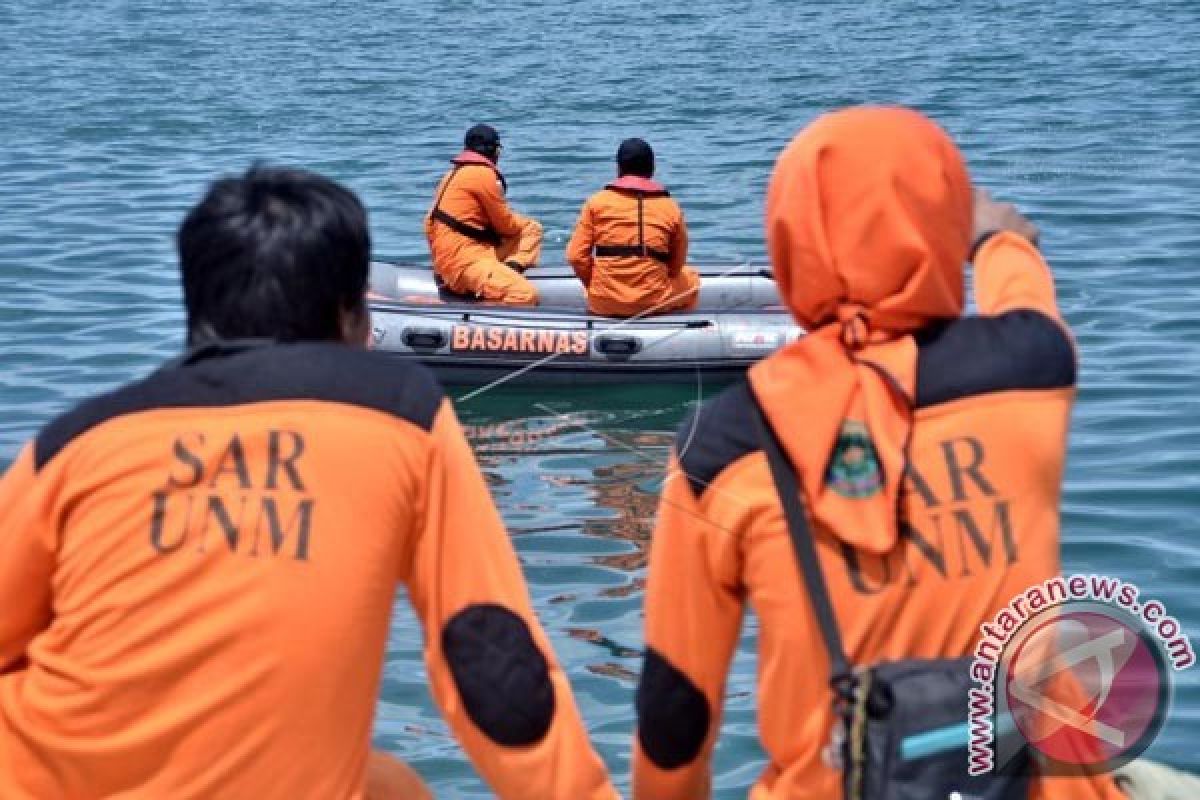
(197, 570)
(630, 243)
(929, 450)
(480, 246)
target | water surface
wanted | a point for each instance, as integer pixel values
(115, 113)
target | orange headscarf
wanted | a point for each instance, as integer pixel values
(868, 225)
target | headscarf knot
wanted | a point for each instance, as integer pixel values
(855, 325)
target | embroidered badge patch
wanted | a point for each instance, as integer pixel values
(854, 469)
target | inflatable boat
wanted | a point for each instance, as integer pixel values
(737, 321)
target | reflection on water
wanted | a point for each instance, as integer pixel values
(116, 114)
(577, 476)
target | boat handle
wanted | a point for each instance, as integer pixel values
(618, 345)
(424, 338)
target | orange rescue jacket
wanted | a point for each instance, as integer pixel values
(980, 510)
(469, 216)
(630, 240)
(197, 574)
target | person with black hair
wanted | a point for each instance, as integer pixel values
(630, 243)
(197, 570)
(277, 254)
(480, 246)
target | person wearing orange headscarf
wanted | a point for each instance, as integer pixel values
(929, 447)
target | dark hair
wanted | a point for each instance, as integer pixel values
(635, 157)
(482, 139)
(276, 253)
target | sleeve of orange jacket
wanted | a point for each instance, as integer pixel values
(679, 247)
(26, 561)
(492, 670)
(693, 615)
(579, 249)
(500, 215)
(1010, 273)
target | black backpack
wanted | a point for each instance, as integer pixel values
(904, 724)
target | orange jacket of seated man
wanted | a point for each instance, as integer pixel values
(630, 244)
(480, 246)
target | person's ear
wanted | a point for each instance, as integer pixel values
(355, 323)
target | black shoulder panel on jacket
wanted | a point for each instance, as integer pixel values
(1020, 349)
(715, 435)
(234, 374)
(673, 715)
(501, 675)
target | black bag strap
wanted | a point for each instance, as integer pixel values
(486, 235)
(786, 485)
(437, 204)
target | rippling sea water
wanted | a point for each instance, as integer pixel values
(115, 113)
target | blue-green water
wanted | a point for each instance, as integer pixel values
(114, 114)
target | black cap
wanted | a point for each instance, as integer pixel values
(635, 157)
(482, 139)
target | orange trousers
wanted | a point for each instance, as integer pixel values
(389, 778)
(685, 291)
(681, 293)
(492, 280)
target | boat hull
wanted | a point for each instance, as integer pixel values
(737, 321)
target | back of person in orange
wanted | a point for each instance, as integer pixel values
(929, 448)
(197, 570)
(480, 246)
(630, 243)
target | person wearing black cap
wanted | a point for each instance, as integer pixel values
(630, 243)
(480, 246)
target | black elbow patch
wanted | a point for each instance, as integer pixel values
(500, 673)
(673, 715)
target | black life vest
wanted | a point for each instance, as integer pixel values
(487, 235)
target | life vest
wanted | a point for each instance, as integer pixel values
(486, 235)
(641, 188)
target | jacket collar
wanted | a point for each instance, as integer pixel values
(633, 183)
(471, 157)
(468, 157)
(216, 348)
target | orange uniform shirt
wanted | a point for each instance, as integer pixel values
(981, 524)
(472, 193)
(197, 573)
(628, 284)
